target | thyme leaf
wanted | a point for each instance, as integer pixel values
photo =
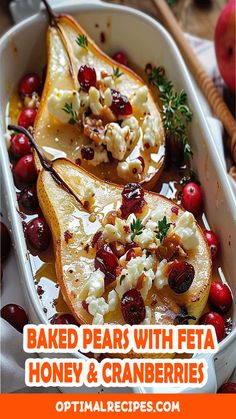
(116, 72)
(163, 228)
(82, 41)
(68, 108)
(136, 228)
(176, 113)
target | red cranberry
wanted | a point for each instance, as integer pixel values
(28, 200)
(38, 234)
(87, 153)
(192, 198)
(130, 255)
(228, 388)
(96, 238)
(87, 77)
(132, 199)
(133, 307)
(29, 84)
(5, 242)
(63, 318)
(220, 297)
(181, 275)
(25, 171)
(15, 315)
(175, 210)
(27, 117)
(106, 261)
(120, 104)
(212, 242)
(121, 58)
(214, 319)
(20, 146)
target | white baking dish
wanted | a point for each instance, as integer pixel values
(23, 49)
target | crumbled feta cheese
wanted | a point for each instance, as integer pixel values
(94, 101)
(161, 278)
(57, 101)
(108, 81)
(157, 215)
(100, 155)
(107, 97)
(97, 307)
(147, 283)
(115, 140)
(148, 316)
(133, 270)
(118, 232)
(145, 238)
(113, 300)
(149, 133)
(84, 99)
(133, 125)
(186, 229)
(140, 100)
(96, 284)
(98, 319)
(126, 170)
(151, 225)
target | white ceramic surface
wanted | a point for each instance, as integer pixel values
(23, 49)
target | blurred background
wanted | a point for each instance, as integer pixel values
(195, 16)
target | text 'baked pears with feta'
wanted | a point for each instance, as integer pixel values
(96, 112)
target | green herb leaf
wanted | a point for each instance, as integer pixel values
(170, 2)
(82, 41)
(122, 279)
(176, 113)
(163, 228)
(68, 108)
(192, 177)
(136, 228)
(116, 72)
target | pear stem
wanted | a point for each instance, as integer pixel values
(45, 162)
(51, 14)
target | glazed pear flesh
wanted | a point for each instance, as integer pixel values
(64, 140)
(74, 263)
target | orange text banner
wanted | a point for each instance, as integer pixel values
(64, 406)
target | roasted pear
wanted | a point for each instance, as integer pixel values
(96, 112)
(79, 207)
(74, 222)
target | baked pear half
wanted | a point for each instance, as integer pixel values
(96, 112)
(123, 255)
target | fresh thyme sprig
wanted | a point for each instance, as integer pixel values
(192, 177)
(176, 113)
(68, 108)
(136, 228)
(117, 73)
(82, 41)
(163, 228)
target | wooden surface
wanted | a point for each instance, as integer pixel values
(197, 17)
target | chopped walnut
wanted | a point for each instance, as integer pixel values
(94, 129)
